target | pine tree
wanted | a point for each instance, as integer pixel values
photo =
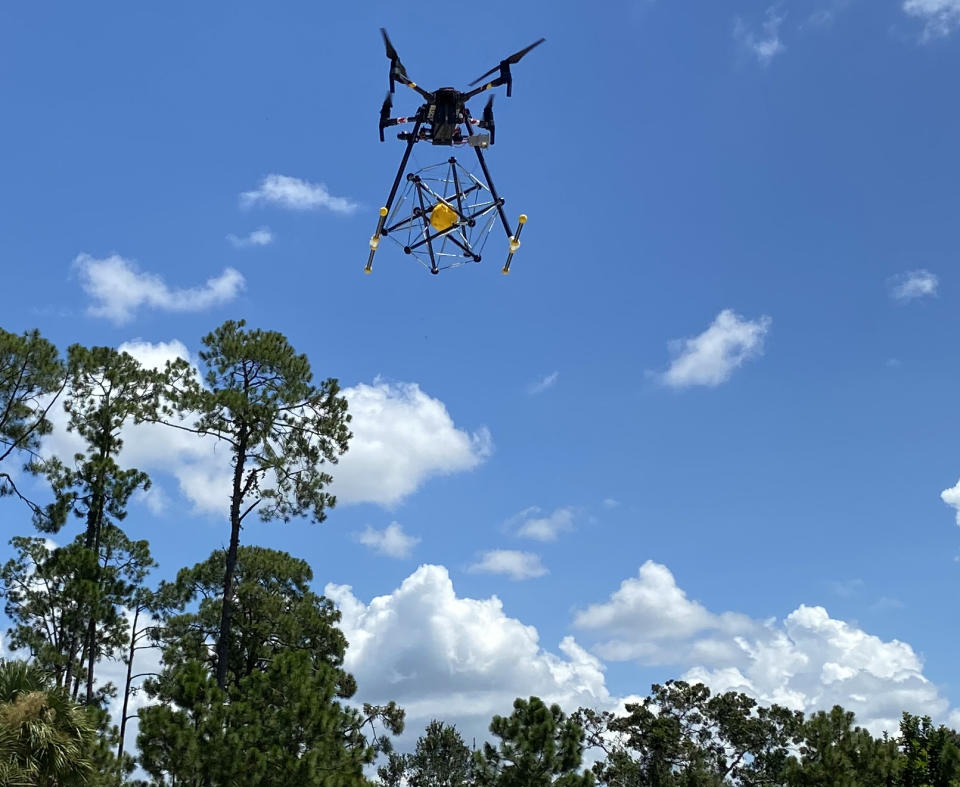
(281, 429)
(281, 718)
(31, 380)
(539, 746)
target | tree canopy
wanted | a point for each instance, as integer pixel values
(253, 688)
(282, 712)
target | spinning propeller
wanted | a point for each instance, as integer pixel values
(397, 71)
(486, 121)
(385, 114)
(504, 66)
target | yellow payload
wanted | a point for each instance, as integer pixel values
(442, 217)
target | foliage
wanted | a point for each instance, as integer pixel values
(45, 738)
(261, 400)
(31, 379)
(680, 735)
(441, 759)
(51, 595)
(538, 746)
(834, 751)
(280, 719)
(930, 756)
(281, 429)
(106, 390)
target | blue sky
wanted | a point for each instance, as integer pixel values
(708, 416)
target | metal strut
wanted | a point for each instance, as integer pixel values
(486, 174)
(513, 239)
(385, 210)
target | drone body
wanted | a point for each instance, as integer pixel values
(450, 212)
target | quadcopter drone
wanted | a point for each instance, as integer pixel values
(445, 212)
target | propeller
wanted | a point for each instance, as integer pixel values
(396, 67)
(385, 114)
(504, 65)
(487, 120)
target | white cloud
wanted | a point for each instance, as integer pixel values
(809, 661)
(529, 524)
(118, 289)
(515, 564)
(296, 194)
(155, 499)
(262, 236)
(609, 502)
(767, 44)
(951, 497)
(940, 17)
(154, 355)
(391, 541)
(710, 358)
(460, 659)
(913, 284)
(401, 437)
(650, 619)
(543, 384)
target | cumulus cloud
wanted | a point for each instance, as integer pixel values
(295, 194)
(710, 358)
(460, 659)
(118, 288)
(766, 44)
(262, 236)
(808, 661)
(951, 497)
(650, 619)
(532, 523)
(912, 285)
(515, 564)
(401, 438)
(543, 384)
(154, 355)
(939, 17)
(391, 541)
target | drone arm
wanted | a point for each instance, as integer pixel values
(504, 67)
(397, 72)
(387, 122)
(399, 75)
(500, 80)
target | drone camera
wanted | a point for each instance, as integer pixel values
(479, 141)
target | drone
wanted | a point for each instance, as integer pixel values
(445, 213)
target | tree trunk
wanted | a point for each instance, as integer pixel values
(236, 499)
(126, 685)
(92, 625)
(75, 678)
(93, 536)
